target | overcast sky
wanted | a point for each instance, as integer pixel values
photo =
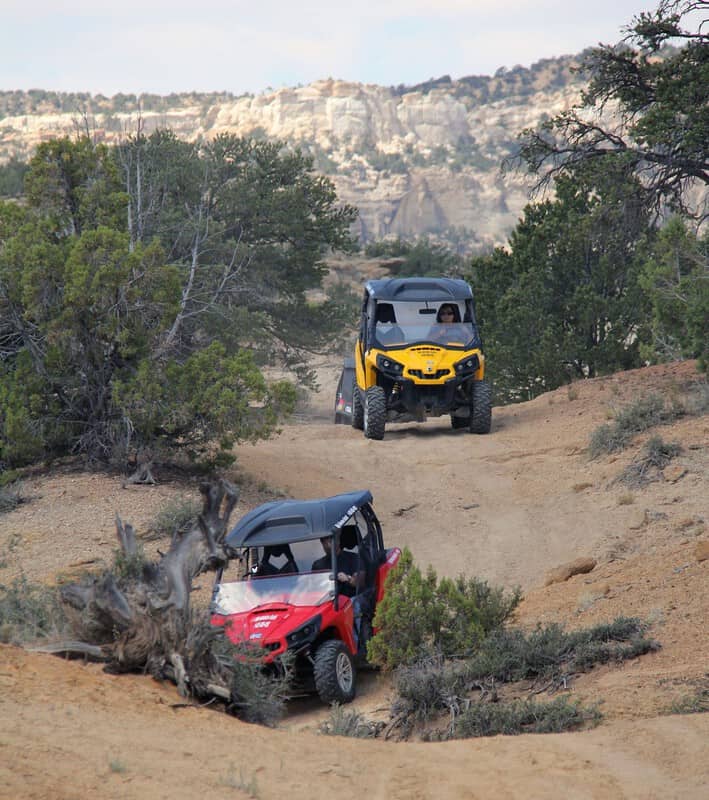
(164, 46)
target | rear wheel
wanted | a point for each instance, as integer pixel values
(357, 409)
(334, 672)
(481, 408)
(375, 412)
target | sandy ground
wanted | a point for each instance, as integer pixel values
(507, 507)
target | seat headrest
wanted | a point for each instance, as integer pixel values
(385, 313)
(348, 536)
(277, 550)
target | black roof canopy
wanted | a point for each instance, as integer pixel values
(412, 289)
(282, 521)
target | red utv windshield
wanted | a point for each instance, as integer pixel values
(305, 589)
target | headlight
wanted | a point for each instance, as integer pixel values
(389, 367)
(306, 633)
(467, 366)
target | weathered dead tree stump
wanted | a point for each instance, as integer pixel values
(141, 619)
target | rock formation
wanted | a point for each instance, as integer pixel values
(414, 160)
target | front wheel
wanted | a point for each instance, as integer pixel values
(357, 409)
(481, 408)
(375, 412)
(334, 672)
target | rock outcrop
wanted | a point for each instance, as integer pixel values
(414, 160)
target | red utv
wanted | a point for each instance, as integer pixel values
(285, 590)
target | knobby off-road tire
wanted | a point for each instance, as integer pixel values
(334, 671)
(357, 409)
(375, 412)
(481, 408)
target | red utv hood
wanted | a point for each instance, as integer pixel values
(266, 624)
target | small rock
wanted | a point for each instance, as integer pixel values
(673, 473)
(578, 567)
(701, 550)
(639, 521)
(654, 516)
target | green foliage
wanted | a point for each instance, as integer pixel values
(201, 400)
(563, 299)
(388, 247)
(421, 257)
(143, 288)
(675, 277)
(420, 616)
(75, 186)
(29, 612)
(12, 175)
(662, 125)
(638, 291)
(406, 617)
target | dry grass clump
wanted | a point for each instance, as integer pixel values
(176, 518)
(11, 497)
(30, 613)
(695, 703)
(646, 413)
(346, 722)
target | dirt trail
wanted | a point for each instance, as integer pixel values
(506, 507)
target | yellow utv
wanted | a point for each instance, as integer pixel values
(419, 354)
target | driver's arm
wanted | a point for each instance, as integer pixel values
(351, 575)
(356, 579)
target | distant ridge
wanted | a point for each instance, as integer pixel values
(416, 160)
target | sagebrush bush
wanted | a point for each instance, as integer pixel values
(523, 716)
(547, 652)
(695, 703)
(9, 499)
(175, 518)
(427, 687)
(645, 413)
(436, 685)
(697, 402)
(342, 722)
(129, 566)
(257, 694)
(29, 612)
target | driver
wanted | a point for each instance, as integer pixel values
(446, 328)
(350, 578)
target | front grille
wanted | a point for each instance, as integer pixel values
(428, 376)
